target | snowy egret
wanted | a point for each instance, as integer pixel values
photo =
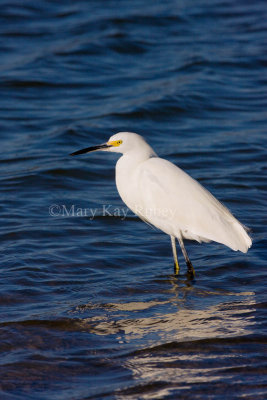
(165, 196)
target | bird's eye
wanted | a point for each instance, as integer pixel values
(119, 142)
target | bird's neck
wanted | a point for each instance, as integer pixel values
(127, 168)
(132, 159)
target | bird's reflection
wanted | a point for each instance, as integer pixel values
(173, 319)
(172, 342)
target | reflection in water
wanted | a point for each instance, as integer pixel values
(224, 320)
(177, 346)
(203, 346)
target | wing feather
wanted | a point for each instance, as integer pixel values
(174, 202)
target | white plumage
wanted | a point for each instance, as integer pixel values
(165, 196)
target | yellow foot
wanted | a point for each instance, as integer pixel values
(176, 269)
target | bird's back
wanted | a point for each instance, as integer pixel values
(177, 204)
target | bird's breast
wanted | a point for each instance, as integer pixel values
(127, 173)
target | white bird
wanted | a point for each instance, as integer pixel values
(165, 196)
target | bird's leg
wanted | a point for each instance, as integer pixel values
(175, 258)
(190, 268)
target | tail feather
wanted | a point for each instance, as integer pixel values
(242, 240)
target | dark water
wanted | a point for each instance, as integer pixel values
(90, 308)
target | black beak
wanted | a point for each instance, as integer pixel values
(89, 149)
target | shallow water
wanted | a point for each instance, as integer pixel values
(90, 308)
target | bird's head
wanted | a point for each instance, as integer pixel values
(121, 142)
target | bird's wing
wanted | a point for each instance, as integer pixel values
(176, 203)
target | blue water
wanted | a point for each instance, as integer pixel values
(89, 307)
